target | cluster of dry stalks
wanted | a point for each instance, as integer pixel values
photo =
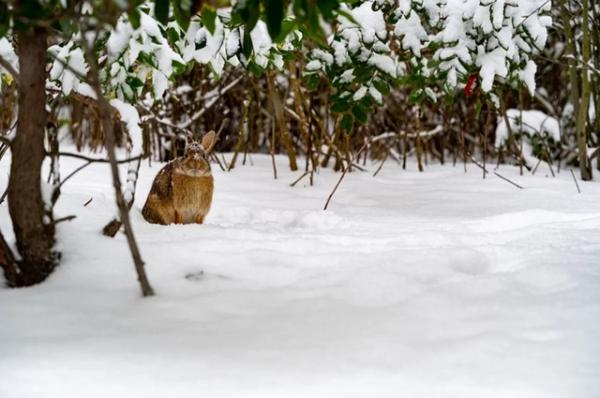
(274, 113)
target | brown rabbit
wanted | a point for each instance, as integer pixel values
(182, 190)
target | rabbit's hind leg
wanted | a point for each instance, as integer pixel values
(151, 213)
(177, 218)
(200, 219)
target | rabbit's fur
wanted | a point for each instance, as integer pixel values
(182, 190)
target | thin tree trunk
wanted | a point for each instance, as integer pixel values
(32, 221)
(572, 49)
(418, 146)
(582, 117)
(280, 121)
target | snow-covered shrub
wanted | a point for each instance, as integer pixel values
(357, 61)
(422, 42)
(540, 131)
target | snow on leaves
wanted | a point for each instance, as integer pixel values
(427, 44)
(434, 42)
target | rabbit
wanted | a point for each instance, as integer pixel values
(182, 190)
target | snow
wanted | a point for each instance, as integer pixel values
(434, 284)
(261, 44)
(321, 55)
(375, 94)
(384, 63)
(131, 118)
(527, 75)
(68, 65)
(371, 24)
(347, 76)
(530, 121)
(360, 93)
(7, 53)
(313, 65)
(492, 63)
(412, 33)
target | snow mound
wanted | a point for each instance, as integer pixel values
(435, 284)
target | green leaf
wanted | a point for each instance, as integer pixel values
(274, 11)
(416, 96)
(172, 35)
(247, 44)
(134, 17)
(478, 106)
(161, 11)
(179, 68)
(248, 12)
(134, 82)
(4, 19)
(255, 69)
(307, 15)
(312, 81)
(347, 122)
(327, 7)
(32, 10)
(208, 18)
(181, 14)
(340, 106)
(382, 86)
(287, 26)
(360, 114)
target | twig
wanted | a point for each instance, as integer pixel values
(225, 162)
(209, 104)
(344, 175)
(293, 184)
(77, 170)
(335, 188)
(381, 165)
(536, 166)
(495, 173)
(575, 179)
(5, 140)
(273, 151)
(359, 167)
(88, 202)
(67, 218)
(96, 160)
(507, 180)
(216, 158)
(3, 198)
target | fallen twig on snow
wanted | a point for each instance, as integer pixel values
(575, 179)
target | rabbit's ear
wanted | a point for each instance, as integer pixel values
(208, 141)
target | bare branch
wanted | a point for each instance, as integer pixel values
(211, 100)
(100, 160)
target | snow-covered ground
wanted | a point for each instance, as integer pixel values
(434, 284)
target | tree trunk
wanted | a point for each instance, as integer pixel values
(33, 230)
